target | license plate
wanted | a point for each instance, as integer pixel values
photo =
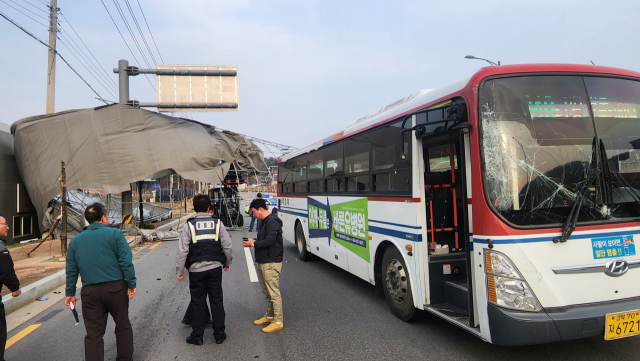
(622, 324)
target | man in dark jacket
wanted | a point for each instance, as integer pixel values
(268, 251)
(8, 278)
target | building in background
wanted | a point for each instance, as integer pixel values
(15, 205)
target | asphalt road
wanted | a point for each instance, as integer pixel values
(328, 315)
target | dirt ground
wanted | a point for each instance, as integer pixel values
(39, 265)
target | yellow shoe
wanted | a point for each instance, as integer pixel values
(273, 327)
(263, 321)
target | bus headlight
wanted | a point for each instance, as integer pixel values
(506, 287)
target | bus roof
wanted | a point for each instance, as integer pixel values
(427, 97)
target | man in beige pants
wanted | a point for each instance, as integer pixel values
(268, 251)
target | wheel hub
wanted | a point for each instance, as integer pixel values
(396, 278)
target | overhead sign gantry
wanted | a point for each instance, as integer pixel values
(194, 88)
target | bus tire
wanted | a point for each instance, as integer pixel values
(396, 284)
(301, 244)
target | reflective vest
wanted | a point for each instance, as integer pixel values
(205, 243)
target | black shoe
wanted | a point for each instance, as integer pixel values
(194, 341)
(221, 339)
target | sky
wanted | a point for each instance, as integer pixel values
(308, 68)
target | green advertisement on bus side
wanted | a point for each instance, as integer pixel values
(346, 223)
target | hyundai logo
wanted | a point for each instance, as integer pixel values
(616, 268)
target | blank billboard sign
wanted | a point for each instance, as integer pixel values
(198, 89)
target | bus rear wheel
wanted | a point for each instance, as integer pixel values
(301, 244)
(397, 285)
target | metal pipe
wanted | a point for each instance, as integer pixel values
(187, 72)
(123, 78)
(181, 72)
(189, 105)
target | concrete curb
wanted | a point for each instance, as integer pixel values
(33, 291)
(42, 287)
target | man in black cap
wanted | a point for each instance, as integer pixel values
(204, 250)
(7, 278)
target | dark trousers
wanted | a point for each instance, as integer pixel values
(97, 301)
(3, 332)
(202, 284)
(188, 316)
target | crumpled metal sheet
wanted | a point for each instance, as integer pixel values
(111, 146)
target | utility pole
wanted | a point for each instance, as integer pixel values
(63, 210)
(51, 65)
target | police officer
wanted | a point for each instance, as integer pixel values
(204, 249)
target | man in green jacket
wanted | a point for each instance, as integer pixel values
(103, 259)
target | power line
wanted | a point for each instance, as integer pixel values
(152, 38)
(123, 39)
(82, 63)
(55, 51)
(126, 22)
(36, 14)
(37, 21)
(133, 16)
(98, 65)
(44, 11)
(85, 57)
(88, 61)
(69, 46)
(135, 40)
(281, 147)
(183, 114)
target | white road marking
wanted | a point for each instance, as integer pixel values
(253, 275)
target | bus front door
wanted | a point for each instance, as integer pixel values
(447, 226)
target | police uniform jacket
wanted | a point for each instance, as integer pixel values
(204, 244)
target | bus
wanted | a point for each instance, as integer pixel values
(506, 203)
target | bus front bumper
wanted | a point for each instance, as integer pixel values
(512, 328)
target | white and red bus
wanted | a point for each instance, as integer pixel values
(507, 203)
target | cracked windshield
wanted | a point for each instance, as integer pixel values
(543, 149)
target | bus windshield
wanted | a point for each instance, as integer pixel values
(546, 140)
